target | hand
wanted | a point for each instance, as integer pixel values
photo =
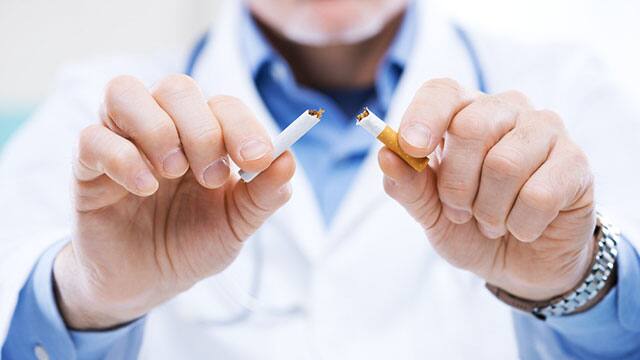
(157, 207)
(510, 196)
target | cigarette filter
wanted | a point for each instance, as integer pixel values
(289, 136)
(389, 137)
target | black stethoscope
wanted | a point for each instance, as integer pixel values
(258, 253)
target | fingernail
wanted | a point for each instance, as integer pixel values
(216, 173)
(146, 182)
(457, 216)
(417, 135)
(175, 163)
(253, 149)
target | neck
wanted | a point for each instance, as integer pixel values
(335, 66)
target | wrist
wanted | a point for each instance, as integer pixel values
(571, 271)
(80, 306)
(592, 288)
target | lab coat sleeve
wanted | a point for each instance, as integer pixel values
(35, 179)
(606, 124)
(37, 324)
(35, 169)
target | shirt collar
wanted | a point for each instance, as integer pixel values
(258, 52)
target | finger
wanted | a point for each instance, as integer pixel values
(516, 98)
(509, 164)
(428, 116)
(137, 116)
(563, 183)
(471, 134)
(98, 193)
(252, 203)
(461, 245)
(246, 140)
(100, 151)
(199, 131)
(416, 192)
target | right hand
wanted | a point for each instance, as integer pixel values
(157, 208)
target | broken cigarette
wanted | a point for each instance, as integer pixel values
(389, 137)
(289, 136)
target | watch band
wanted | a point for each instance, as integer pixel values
(593, 287)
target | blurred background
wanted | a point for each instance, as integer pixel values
(38, 36)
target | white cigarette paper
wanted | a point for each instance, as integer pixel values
(371, 123)
(289, 136)
(389, 137)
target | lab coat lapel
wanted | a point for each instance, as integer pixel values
(438, 53)
(221, 69)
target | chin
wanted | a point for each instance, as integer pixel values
(335, 15)
(327, 22)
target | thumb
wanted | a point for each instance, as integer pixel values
(415, 191)
(252, 203)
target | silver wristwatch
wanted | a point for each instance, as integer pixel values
(598, 281)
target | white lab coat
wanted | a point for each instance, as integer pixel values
(367, 287)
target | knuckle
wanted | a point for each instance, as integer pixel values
(588, 182)
(205, 137)
(576, 157)
(437, 99)
(483, 118)
(223, 101)
(161, 131)
(470, 123)
(492, 102)
(87, 138)
(503, 165)
(453, 189)
(121, 157)
(550, 119)
(119, 88)
(445, 84)
(516, 97)
(539, 197)
(176, 87)
(89, 133)
(577, 162)
(527, 131)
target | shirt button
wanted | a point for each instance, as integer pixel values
(40, 353)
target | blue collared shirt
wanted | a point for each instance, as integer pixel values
(609, 330)
(330, 165)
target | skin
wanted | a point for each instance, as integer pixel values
(335, 66)
(509, 198)
(156, 206)
(326, 23)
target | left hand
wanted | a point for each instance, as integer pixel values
(509, 198)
